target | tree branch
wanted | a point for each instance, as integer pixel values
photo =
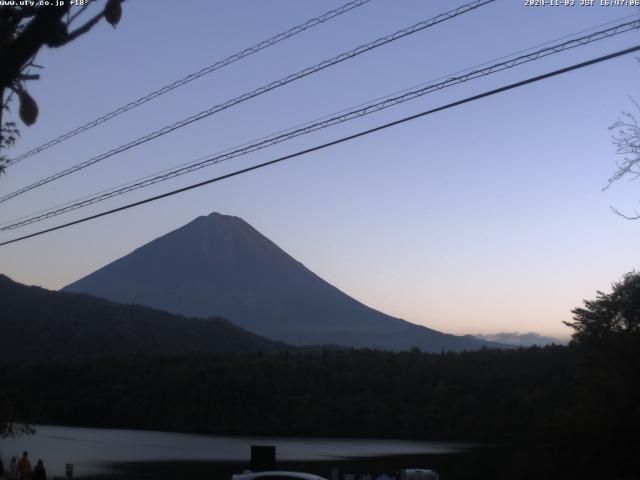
(83, 29)
(79, 12)
(628, 217)
(16, 54)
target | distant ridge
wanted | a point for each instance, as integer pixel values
(43, 325)
(220, 265)
(527, 339)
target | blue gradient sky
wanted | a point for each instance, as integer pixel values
(484, 218)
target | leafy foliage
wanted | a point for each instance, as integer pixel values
(26, 28)
(614, 314)
(9, 133)
(607, 341)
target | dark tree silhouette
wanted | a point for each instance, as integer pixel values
(609, 315)
(606, 340)
(24, 30)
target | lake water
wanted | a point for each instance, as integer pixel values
(92, 450)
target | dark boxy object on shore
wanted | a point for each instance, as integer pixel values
(263, 457)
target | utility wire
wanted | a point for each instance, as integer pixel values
(130, 182)
(321, 124)
(338, 141)
(193, 76)
(264, 89)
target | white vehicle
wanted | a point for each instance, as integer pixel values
(276, 475)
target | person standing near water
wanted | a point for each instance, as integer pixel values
(24, 467)
(39, 473)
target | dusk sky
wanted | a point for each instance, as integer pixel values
(483, 218)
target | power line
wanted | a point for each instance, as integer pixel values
(336, 142)
(193, 76)
(323, 123)
(398, 92)
(264, 89)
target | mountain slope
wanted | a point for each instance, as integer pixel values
(38, 324)
(220, 265)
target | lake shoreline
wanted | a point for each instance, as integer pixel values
(223, 470)
(495, 462)
(104, 454)
(129, 454)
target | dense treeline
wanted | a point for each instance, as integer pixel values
(477, 395)
(554, 395)
(499, 395)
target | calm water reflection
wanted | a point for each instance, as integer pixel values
(91, 450)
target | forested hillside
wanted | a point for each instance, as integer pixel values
(38, 325)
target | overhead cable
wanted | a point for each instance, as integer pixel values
(334, 142)
(264, 89)
(193, 76)
(324, 123)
